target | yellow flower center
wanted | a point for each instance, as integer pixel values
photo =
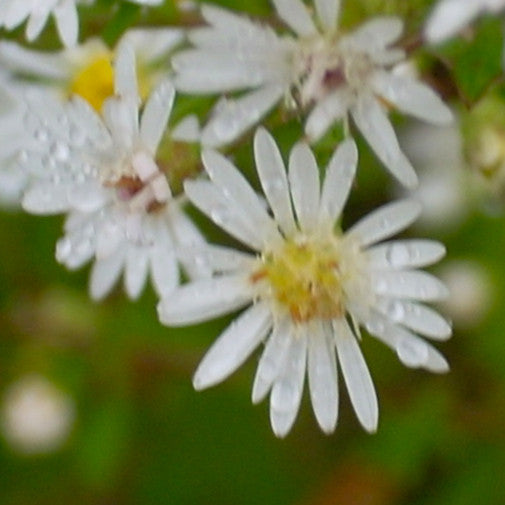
(95, 82)
(305, 277)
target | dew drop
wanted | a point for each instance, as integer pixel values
(398, 255)
(60, 151)
(412, 352)
(396, 311)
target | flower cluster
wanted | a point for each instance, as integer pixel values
(86, 132)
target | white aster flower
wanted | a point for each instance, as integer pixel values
(451, 16)
(308, 286)
(329, 75)
(36, 12)
(104, 174)
(87, 69)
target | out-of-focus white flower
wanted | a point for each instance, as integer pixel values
(471, 292)
(308, 285)
(87, 69)
(104, 174)
(444, 177)
(451, 16)
(37, 417)
(328, 75)
(37, 12)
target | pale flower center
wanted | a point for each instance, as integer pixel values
(308, 277)
(323, 65)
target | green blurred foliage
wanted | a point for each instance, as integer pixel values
(143, 436)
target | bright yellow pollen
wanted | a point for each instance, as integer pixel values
(305, 279)
(95, 82)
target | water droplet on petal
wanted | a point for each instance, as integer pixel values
(398, 255)
(396, 311)
(412, 352)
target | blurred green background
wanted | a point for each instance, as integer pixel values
(137, 433)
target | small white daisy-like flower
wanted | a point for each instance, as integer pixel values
(36, 416)
(451, 16)
(87, 69)
(37, 12)
(322, 72)
(308, 286)
(105, 175)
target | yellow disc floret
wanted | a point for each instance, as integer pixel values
(304, 277)
(95, 82)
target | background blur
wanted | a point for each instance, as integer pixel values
(96, 402)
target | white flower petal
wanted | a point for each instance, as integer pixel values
(187, 130)
(376, 34)
(400, 254)
(205, 299)
(164, 268)
(224, 212)
(304, 185)
(125, 74)
(412, 351)
(338, 181)
(322, 372)
(416, 285)
(232, 183)
(233, 346)
(328, 13)
(357, 377)
(67, 22)
(287, 390)
(411, 97)
(326, 112)
(104, 274)
(376, 128)
(272, 360)
(449, 17)
(136, 271)
(273, 178)
(205, 71)
(37, 21)
(296, 15)
(235, 116)
(385, 221)
(155, 116)
(416, 317)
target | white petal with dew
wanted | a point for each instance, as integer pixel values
(235, 116)
(399, 254)
(416, 317)
(322, 372)
(136, 271)
(411, 97)
(224, 212)
(233, 184)
(287, 389)
(233, 346)
(273, 178)
(164, 268)
(357, 377)
(154, 119)
(374, 124)
(272, 359)
(125, 74)
(304, 184)
(104, 274)
(385, 221)
(338, 180)
(205, 299)
(415, 285)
